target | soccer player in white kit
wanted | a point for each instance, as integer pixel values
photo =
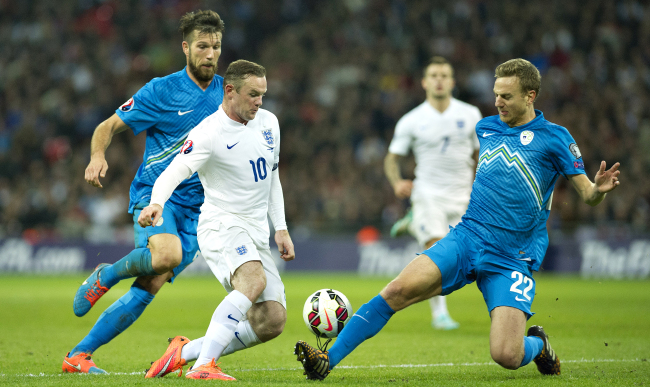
(441, 133)
(235, 152)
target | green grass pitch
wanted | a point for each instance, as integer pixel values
(599, 328)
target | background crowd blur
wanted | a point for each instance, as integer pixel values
(341, 73)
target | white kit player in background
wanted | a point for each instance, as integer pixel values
(235, 152)
(441, 133)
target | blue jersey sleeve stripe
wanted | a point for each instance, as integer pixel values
(164, 155)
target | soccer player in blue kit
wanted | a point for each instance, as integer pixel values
(502, 238)
(167, 109)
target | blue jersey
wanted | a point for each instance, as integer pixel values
(168, 108)
(513, 189)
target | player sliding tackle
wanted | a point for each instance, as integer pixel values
(500, 241)
(235, 152)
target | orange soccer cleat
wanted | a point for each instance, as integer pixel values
(171, 360)
(81, 363)
(208, 371)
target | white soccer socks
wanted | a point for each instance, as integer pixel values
(223, 325)
(438, 306)
(245, 337)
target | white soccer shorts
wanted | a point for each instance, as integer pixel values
(432, 217)
(226, 249)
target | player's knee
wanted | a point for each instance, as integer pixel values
(271, 329)
(269, 322)
(506, 357)
(396, 294)
(164, 260)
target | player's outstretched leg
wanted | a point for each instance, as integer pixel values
(401, 227)
(115, 320)
(135, 264)
(209, 370)
(89, 292)
(171, 360)
(315, 362)
(81, 363)
(364, 324)
(548, 363)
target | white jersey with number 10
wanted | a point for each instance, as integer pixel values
(234, 162)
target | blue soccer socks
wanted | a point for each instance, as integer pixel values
(137, 263)
(532, 346)
(115, 319)
(364, 324)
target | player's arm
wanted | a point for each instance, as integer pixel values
(605, 181)
(194, 153)
(163, 188)
(100, 141)
(402, 187)
(276, 213)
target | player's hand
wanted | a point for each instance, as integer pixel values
(403, 188)
(607, 180)
(96, 169)
(285, 245)
(150, 215)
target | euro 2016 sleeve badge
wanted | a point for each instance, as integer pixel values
(268, 136)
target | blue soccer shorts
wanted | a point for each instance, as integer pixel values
(173, 221)
(503, 280)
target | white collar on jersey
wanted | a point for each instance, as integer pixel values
(229, 122)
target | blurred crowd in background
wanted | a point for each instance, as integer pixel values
(340, 75)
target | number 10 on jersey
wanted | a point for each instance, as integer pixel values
(259, 169)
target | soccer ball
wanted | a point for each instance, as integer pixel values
(326, 312)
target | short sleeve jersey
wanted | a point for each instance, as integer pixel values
(234, 162)
(513, 189)
(443, 145)
(167, 109)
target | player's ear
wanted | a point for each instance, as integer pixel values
(530, 97)
(186, 48)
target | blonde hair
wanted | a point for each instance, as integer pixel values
(528, 75)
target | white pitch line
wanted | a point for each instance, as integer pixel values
(233, 370)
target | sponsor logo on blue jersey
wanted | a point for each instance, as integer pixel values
(579, 164)
(128, 105)
(187, 147)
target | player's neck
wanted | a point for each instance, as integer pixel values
(526, 118)
(440, 104)
(230, 112)
(202, 85)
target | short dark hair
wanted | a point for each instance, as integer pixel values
(528, 75)
(437, 60)
(204, 22)
(241, 69)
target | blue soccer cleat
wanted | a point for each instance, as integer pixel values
(89, 292)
